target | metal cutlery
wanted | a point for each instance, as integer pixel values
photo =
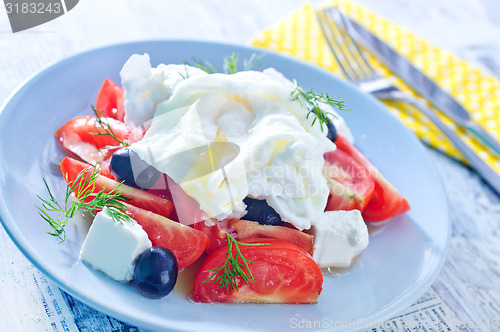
(423, 85)
(357, 69)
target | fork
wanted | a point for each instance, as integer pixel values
(358, 70)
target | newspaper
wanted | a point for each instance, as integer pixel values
(60, 312)
(429, 313)
(56, 313)
(50, 309)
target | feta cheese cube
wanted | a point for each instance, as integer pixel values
(339, 236)
(112, 247)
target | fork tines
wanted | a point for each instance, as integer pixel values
(346, 51)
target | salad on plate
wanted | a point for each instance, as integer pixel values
(243, 174)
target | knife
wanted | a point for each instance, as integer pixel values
(424, 86)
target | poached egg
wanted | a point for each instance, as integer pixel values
(280, 150)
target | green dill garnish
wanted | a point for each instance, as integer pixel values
(187, 73)
(253, 61)
(203, 65)
(313, 100)
(103, 123)
(86, 201)
(230, 64)
(232, 267)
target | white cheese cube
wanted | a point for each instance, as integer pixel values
(339, 236)
(112, 247)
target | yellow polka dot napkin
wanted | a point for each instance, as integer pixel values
(300, 35)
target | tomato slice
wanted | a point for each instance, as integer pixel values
(105, 171)
(110, 100)
(386, 201)
(71, 168)
(283, 273)
(349, 182)
(246, 229)
(216, 233)
(186, 243)
(84, 137)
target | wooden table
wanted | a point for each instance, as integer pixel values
(468, 287)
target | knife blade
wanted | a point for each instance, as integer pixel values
(423, 85)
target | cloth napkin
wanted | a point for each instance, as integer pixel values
(300, 35)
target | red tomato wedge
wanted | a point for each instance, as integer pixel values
(246, 229)
(283, 273)
(110, 100)
(85, 138)
(186, 243)
(216, 234)
(70, 169)
(105, 169)
(386, 201)
(349, 182)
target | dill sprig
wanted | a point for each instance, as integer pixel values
(87, 200)
(203, 65)
(105, 129)
(230, 64)
(184, 77)
(253, 61)
(235, 266)
(313, 101)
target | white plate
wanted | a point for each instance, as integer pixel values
(399, 265)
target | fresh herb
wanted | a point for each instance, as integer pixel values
(230, 64)
(203, 65)
(313, 101)
(253, 61)
(187, 73)
(87, 201)
(234, 266)
(102, 122)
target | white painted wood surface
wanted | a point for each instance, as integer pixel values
(469, 284)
